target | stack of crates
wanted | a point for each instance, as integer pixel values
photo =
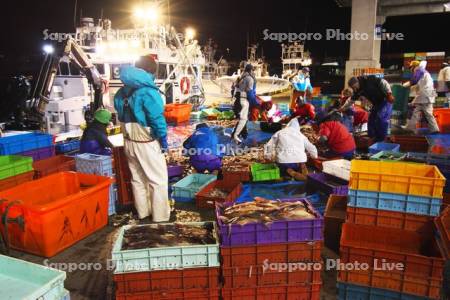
(98, 165)
(275, 261)
(167, 272)
(33, 144)
(388, 236)
(15, 170)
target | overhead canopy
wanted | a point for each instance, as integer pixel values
(406, 7)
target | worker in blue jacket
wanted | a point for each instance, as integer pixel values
(203, 149)
(140, 109)
(95, 138)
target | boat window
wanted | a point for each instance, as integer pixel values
(74, 70)
(64, 69)
(162, 71)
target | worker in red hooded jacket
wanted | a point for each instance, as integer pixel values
(303, 111)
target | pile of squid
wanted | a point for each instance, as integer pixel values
(265, 211)
(167, 235)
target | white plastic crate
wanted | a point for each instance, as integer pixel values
(165, 258)
(339, 168)
(24, 280)
(94, 164)
(112, 200)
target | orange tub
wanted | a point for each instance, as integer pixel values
(57, 211)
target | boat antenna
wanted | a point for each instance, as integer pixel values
(75, 14)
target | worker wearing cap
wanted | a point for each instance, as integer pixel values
(140, 109)
(378, 92)
(95, 138)
(302, 86)
(423, 85)
(444, 79)
(245, 94)
(336, 136)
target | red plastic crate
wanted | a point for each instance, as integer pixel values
(442, 116)
(410, 143)
(286, 292)
(243, 175)
(123, 177)
(391, 219)
(194, 278)
(334, 217)
(281, 253)
(191, 294)
(263, 275)
(420, 286)
(55, 164)
(419, 253)
(443, 226)
(11, 182)
(177, 113)
(203, 200)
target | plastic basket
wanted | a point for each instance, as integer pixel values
(11, 182)
(94, 164)
(410, 143)
(193, 278)
(175, 170)
(380, 146)
(204, 200)
(334, 217)
(11, 165)
(165, 258)
(39, 154)
(339, 168)
(391, 219)
(443, 227)
(327, 184)
(265, 172)
(59, 163)
(225, 107)
(184, 294)
(397, 177)
(401, 95)
(186, 189)
(442, 116)
(112, 200)
(66, 147)
(278, 232)
(52, 209)
(240, 173)
(177, 113)
(24, 280)
(388, 156)
(24, 142)
(349, 291)
(297, 291)
(123, 178)
(395, 202)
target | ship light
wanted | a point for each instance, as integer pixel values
(48, 49)
(190, 33)
(100, 48)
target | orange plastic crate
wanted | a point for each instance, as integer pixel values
(442, 116)
(279, 292)
(204, 200)
(250, 276)
(443, 226)
(237, 175)
(419, 253)
(11, 182)
(184, 294)
(392, 219)
(194, 278)
(282, 253)
(123, 177)
(410, 143)
(424, 287)
(57, 211)
(58, 163)
(177, 113)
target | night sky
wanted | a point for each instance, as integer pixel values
(228, 22)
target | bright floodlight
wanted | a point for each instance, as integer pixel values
(152, 14)
(190, 33)
(139, 13)
(48, 49)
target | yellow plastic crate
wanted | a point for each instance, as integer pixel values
(397, 177)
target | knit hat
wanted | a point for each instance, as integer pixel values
(103, 116)
(147, 63)
(352, 81)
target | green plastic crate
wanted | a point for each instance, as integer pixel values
(401, 95)
(384, 156)
(165, 258)
(196, 115)
(210, 112)
(23, 280)
(265, 172)
(226, 115)
(12, 165)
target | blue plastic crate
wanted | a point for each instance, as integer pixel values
(185, 189)
(39, 154)
(94, 164)
(225, 107)
(349, 291)
(24, 142)
(395, 202)
(67, 146)
(378, 147)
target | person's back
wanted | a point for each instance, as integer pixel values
(372, 88)
(339, 138)
(95, 138)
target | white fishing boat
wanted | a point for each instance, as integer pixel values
(293, 57)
